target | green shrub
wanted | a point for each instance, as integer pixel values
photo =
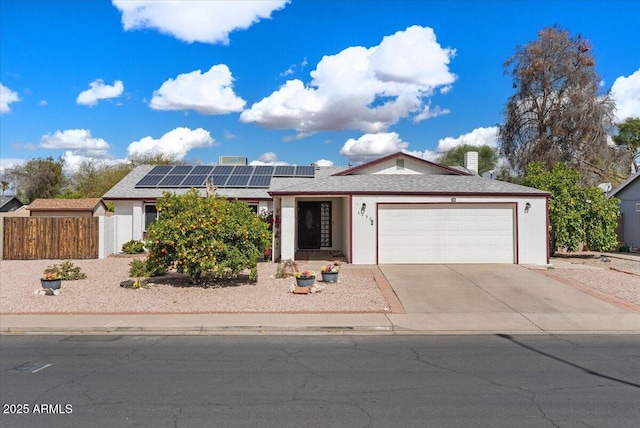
(144, 269)
(206, 235)
(66, 271)
(133, 247)
(577, 214)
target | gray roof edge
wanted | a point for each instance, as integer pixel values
(624, 184)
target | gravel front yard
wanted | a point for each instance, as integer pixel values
(101, 292)
(617, 277)
(357, 290)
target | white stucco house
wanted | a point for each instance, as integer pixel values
(396, 209)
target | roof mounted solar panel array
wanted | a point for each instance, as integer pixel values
(234, 176)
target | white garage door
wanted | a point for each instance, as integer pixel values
(453, 233)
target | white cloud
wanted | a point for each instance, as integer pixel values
(73, 159)
(43, 103)
(195, 21)
(229, 135)
(99, 91)
(206, 93)
(372, 146)
(8, 163)
(74, 139)
(268, 158)
(80, 146)
(175, 143)
(362, 88)
(323, 162)
(477, 137)
(7, 96)
(626, 94)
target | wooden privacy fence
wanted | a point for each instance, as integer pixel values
(27, 238)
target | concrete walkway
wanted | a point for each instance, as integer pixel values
(436, 299)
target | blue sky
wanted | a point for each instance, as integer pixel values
(301, 81)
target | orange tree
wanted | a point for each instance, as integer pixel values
(206, 235)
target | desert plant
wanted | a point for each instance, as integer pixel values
(286, 268)
(133, 247)
(144, 269)
(65, 271)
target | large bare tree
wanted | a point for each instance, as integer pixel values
(558, 113)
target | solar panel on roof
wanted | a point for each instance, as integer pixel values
(149, 180)
(237, 181)
(181, 170)
(172, 180)
(284, 171)
(305, 171)
(260, 181)
(161, 169)
(243, 170)
(219, 180)
(194, 180)
(264, 170)
(223, 169)
(202, 169)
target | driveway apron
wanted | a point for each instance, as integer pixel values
(496, 288)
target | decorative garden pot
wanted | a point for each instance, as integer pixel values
(306, 282)
(330, 276)
(51, 284)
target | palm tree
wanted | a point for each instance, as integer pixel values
(4, 185)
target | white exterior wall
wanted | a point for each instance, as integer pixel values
(410, 167)
(288, 228)
(129, 222)
(107, 236)
(531, 227)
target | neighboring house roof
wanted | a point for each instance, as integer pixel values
(624, 184)
(87, 204)
(9, 201)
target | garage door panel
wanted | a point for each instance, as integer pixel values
(416, 233)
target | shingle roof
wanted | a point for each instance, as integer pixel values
(126, 188)
(326, 183)
(402, 184)
(65, 204)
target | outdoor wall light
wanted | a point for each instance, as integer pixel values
(363, 208)
(527, 207)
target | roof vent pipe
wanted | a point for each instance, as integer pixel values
(471, 162)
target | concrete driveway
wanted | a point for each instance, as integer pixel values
(498, 297)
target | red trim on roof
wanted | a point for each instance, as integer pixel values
(294, 193)
(397, 155)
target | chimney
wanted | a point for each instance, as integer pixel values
(471, 162)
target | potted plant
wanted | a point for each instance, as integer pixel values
(330, 273)
(305, 278)
(51, 281)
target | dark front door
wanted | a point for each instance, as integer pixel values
(309, 225)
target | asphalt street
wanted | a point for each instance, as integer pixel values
(320, 381)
